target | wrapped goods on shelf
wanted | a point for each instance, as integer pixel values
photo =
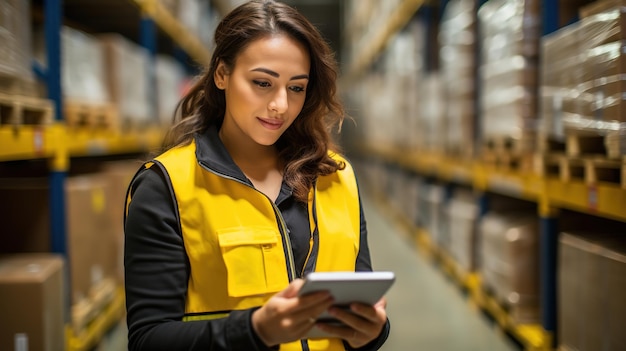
(603, 63)
(510, 31)
(509, 261)
(592, 283)
(462, 213)
(432, 213)
(83, 71)
(366, 20)
(458, 65)
(561, 76)
(170, 76)
(377, 112)
(15, 39)
(402, 66)
(127, 67)
(431, 108)
(32, 287)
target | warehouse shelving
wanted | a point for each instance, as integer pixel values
(377, 42)
(60, 143)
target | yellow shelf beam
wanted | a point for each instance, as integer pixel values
(85, 142)
(170, 25)
(94, 332)
(601, 199)
(28, 142)
(396, 21)
(57, 142)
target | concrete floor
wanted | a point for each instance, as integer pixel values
(427, 311)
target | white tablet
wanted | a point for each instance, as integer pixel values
(347, 288)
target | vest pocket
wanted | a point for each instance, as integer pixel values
(255, 261)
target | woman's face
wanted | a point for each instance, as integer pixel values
(265, 90)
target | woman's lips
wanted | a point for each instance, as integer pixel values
(269, 123)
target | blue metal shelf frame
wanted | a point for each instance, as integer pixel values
(148, 39)
(548, 242)
(52, 24)
(550, 16)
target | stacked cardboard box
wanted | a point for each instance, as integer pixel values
(509, 253)
(561, 78)
(458, 67)
(462, 213)
(591, 288)
(94, 216)
(15, 47)
(510, 32)
(127, 67)
(32, 303)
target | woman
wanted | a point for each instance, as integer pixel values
(250, 196)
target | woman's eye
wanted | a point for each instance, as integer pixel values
(262, 84)
(297, 89)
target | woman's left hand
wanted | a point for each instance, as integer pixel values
(363, 323)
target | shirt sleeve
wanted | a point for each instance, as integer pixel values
(156, 275)
(364, 263)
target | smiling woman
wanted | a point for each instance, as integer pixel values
(250, 195)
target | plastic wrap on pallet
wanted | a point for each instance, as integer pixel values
(127, 68)
(561, 75)
(458, 64)
(82, 61)
(462, 212)
(431, 124)
(170, 76)
(510, 34)
(15, 39)
(509, 253)
(592, 283)
(600, 92)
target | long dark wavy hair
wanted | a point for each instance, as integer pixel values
(304, 146)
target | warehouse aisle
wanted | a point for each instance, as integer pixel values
(427, 312)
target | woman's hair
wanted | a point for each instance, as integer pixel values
(303, 148)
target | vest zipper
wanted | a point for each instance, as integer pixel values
(283, 227)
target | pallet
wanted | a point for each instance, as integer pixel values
(577, 143)
(509, 162)
(12, 85)
(590, 170)
(89, 308)
(510, 145)
(93, 116)
(19, 110)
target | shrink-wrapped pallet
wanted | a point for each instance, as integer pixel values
(170, 76)
(431, 107)
(508, 69)
(15, 44)
(509, 254)
(561, 77)
(82, 68)
(458, 70)
(591, 283)
(128, 67)
(462, 213)
(432, 213)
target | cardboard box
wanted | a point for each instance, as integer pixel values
(93, 251)
(592, 283)
(32, 303)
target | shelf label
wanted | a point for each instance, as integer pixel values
(20, 342)
(38, 141)
(592, 197)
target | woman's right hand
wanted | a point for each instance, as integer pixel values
(287, 317)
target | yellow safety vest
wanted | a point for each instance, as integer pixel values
(237, 241)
